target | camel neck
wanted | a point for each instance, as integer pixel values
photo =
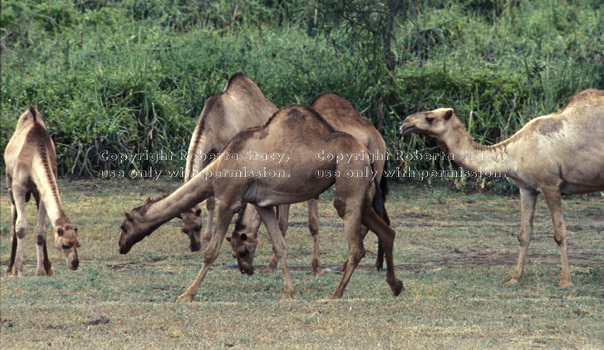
(192, 192)
(492, 160)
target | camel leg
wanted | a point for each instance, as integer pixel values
(223, 219)
(19, 195)
(13, 235)
(272, 226)
(528, 199)
(44, 268)
(386, 235)
(352, 225)
(313, 226)
(283, 221)
(554, 203)
(207, 235)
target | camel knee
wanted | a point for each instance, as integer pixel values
(210, 204)
(340, 206)
(40, 238)
(524, 240)
(20, 227)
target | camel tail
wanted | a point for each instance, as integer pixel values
(381, 190)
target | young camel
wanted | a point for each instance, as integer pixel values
(31, 168)
(560, 153)
(235, 181)
(342, 116)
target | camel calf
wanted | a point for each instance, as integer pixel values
(300, 133)
(31, 168)
(560, 153)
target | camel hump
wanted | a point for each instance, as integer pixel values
(299, 117)
(338, 111)
(239, 80)
(585, 96)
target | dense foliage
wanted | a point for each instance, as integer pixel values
(121, 77)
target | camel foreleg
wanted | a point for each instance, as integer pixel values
(528, 199)
(44, 266)
(207, 235)
(223, 220)
(313, 226)
(272, 226)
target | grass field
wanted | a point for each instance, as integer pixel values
(454, 252)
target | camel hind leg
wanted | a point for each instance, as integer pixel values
(386, 235)
(554, 203)
(351, 215)
(13, 235)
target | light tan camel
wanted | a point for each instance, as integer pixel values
(268, 183)
(241, 105)
(31, 168)
(342, 116)
(560, 153)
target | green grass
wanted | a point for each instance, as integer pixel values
(454, 252)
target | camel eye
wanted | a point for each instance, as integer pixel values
(65, 246)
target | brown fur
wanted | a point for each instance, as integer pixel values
(560, 153)
(239, 106)
(338, 115)
(31, 168)
(265, 193)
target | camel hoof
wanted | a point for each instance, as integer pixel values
(268, 269)
(286, 297)
(565, 284)
(317, 271)
(512, 282)
(398, 287)
(185, 297)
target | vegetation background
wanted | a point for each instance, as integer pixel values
(132, 76)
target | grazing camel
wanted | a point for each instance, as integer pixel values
(342, 116)
(241, 105)
(31, 168)
(268, 183)
(560, 153)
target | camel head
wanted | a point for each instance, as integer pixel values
(191, 226)
(432, 123)
(134, 228)
(243, 247)
(66, 241)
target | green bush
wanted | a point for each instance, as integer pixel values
(132, 76)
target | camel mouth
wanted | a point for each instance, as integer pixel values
(407, 129)
(124, 248)
(73, 265)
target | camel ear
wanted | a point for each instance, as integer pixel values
(148, 200)
(60, 231)
(198, 212)
(448, 114)
(128, 217)
(75, 229)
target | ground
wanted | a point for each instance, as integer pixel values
(454, 252)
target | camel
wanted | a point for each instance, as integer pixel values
(31, 168)
(559, 153)
(299, 133)
(241, 105)
(342, 116)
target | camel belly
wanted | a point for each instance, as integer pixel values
(264, 194)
